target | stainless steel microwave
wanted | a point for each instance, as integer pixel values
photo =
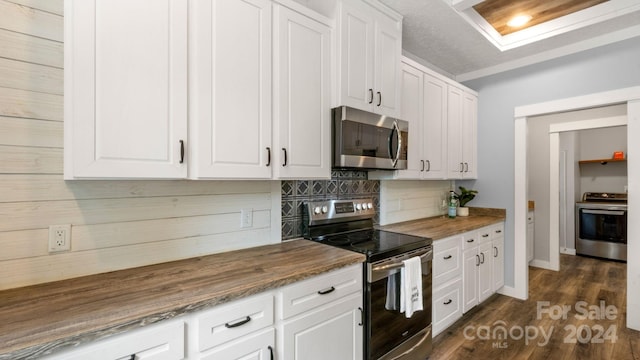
(368, 141)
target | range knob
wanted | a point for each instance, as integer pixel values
(358, 207)
(325, 209)
(316, 210)
(369, 206)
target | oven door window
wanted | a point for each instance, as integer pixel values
(603, 225)
(390, 327)
(360, 139)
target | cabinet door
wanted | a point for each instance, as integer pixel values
(411, 111)
(447, 307)
(302, 81)
(485, 281)
(251, 347)
(498, 263)
(126, 88)
(388, 48)
(471, 261)
(356, 56)
(469, 135)
(434, 134)
(230, 82)
(330, 332)
(454, 137)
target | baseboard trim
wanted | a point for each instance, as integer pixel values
(512, 292)
(540, 264)
(567, 251)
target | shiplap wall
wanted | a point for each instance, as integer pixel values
(115, 224)
(410, 200)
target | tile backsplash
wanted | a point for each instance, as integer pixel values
(344, 184)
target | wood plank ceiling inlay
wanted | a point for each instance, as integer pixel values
(498, 12)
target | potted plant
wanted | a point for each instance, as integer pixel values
(464, 196)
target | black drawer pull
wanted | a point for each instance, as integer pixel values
(498, 231)
(361, 323)
(470, 240)
(485, 235)
(239, 323)
(181, 156)
(133, 357)
(447, 257)
(448, 302)
(325, 292)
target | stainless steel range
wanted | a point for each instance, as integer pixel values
(601, 225)
(348, 224)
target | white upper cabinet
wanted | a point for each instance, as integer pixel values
(252, 118)
(125, 89)
(434, 132)
(369, 51)
(230, 89)
(462, 133)
(302, 109)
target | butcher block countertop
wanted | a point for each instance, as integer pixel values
(439, 227)
(39, 318)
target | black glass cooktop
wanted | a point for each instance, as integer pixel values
(376, 244)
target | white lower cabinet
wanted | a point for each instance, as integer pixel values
(331, 332)
(258, 346)
(447, 283)
(163, 341)
(483, 265)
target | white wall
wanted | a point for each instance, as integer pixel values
(538, 166)
(606, 68)
(116, 224)
(600, 144)
(404, 200)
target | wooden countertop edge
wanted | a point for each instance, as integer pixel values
(445, 227)
(98, 327)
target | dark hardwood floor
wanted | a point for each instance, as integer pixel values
(581, 287)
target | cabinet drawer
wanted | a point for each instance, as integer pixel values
(485, 234)
(309, 294)
(447, 306)
(470, 240)
(447, 262)
(497, 231)
(254, 346)
(163, 341)
(238, 318)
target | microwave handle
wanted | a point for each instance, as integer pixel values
(395, 129)
(603, 212)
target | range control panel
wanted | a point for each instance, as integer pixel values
(339, 210)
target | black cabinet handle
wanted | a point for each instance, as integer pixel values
(447, 257)
(482, 262)
(239, 323)
(461, 167)
(361, 317)
(498, 231)
(422, 165)
(495, 251)
(466, 167)
(477, 260)
(470, 240)
(181, 151)
(270, 352)
(268, 156)
(325, 292)
(370, 96)
(428, 165)
(448, 302)
(485, 235)
(379, 98)
(285, 157)
(133, 357)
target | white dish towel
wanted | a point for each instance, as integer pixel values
(411, 286)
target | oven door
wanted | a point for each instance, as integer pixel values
(603, 225)
(389, 333)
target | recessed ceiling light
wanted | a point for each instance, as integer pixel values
(519, 20)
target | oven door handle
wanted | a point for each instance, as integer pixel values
(603, 212)
(399, 264)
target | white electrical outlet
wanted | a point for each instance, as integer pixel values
(59, 238)
(246, 218)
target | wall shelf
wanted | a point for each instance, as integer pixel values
(600, 161)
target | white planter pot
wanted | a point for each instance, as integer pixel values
(462, 211)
